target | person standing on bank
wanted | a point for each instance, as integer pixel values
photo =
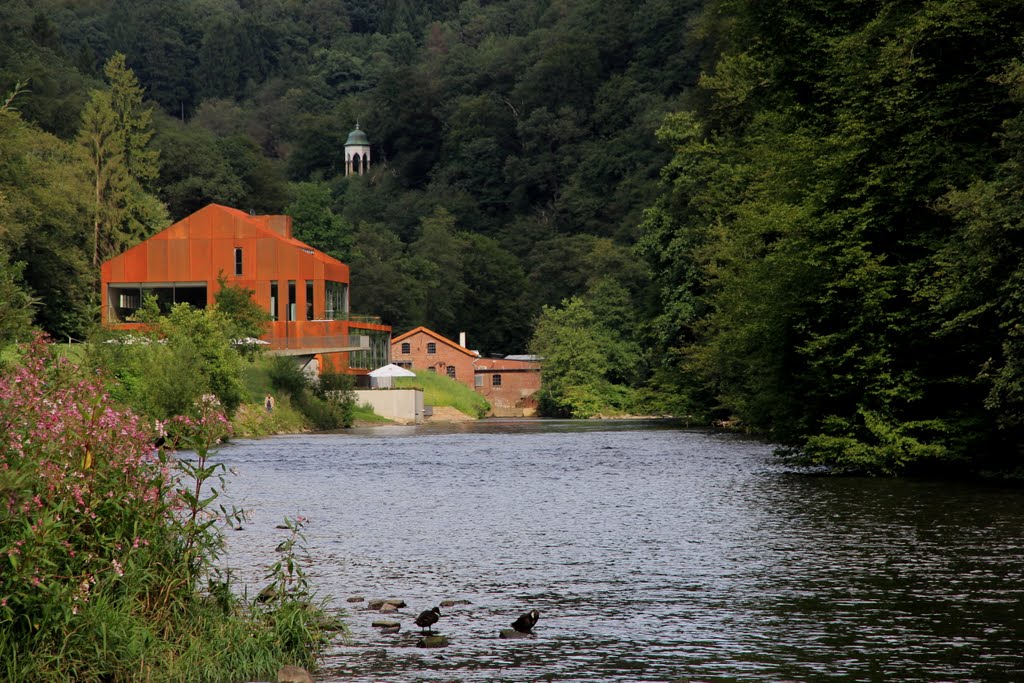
(269, 403)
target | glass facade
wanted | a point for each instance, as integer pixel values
(335, 300)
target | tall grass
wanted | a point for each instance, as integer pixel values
(440, 390)
(108, 546)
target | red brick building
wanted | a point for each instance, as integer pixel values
(509, 384)
(423, 349)
(305, 291)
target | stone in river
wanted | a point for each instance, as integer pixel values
(384, 623)
(433, 641)
(293, 674)
(512, 633)
(452, 603)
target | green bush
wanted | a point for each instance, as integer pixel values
(110, 547)
(328, 403)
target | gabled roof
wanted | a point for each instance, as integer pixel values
(430, 333)
(240, 221)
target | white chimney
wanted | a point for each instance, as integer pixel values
(462, 339)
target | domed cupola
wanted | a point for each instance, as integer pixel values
(357, 152)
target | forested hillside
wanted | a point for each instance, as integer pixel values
(513, 142)
(804, 217)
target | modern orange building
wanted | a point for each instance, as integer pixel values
(509, 384)
(305, 290)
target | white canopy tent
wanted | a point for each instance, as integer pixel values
(381, 377)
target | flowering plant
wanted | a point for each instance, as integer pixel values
(100, 530)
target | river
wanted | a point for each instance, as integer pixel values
(653, 553)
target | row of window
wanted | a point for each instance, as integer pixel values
(431, 348)
(334, 296)
(478, 380)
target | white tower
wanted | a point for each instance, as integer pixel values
(357, 153)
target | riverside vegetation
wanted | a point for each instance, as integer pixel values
(110, 546)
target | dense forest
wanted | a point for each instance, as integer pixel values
(803, 218)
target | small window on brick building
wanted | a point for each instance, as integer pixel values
(451, 371)
(478, 381)
(431, 348)
(495, 380)
(406, 347)
(238, 260)
(431, 369)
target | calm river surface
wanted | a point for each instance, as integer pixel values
(652, 553)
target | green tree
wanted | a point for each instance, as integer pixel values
(578, 363)
(115, 133)
(16, 305)
(243, 316)
(45, 224)
(315, 220)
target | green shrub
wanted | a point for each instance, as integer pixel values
(110, 547)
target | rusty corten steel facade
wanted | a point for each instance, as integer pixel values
(197, 249)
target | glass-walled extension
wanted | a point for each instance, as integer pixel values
(335, 300)
(379, 353)
(124, 299)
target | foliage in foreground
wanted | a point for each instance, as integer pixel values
(109, 547)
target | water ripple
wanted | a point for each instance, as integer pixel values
(653, 554)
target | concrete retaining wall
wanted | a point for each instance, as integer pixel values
(400, 405)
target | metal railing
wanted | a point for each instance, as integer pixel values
(331, 341)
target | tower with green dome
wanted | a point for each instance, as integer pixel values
(357, 152)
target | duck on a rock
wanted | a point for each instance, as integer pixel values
(526, 621)
(428, 618)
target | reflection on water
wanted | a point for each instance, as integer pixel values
(653, 554)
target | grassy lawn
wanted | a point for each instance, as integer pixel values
(439, 390)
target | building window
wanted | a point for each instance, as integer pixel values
(238, 260)
(291, 300)
(431, 348)
(406, 347)
(335, 300)
(451, 371)
(495, 380)
(273, 300)
(309, 299)
(478, 380)
(431, 369)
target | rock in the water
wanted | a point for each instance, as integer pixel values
(376, 603)
(397, 602)
(388, 607)
(452, 603)
(512, 633)
(384, 623)
(355, 598)
(293, 674)
(391, 629)
(433, 641)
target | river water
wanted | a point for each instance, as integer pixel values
(653, 554)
